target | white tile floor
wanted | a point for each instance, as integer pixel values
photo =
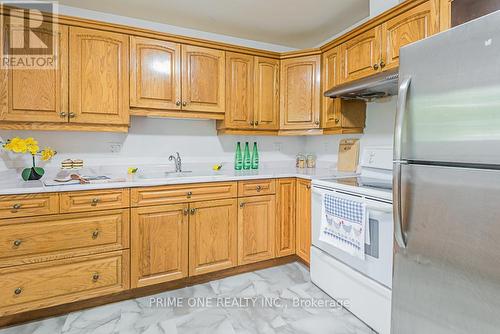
(237, 306)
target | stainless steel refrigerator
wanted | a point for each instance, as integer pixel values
(447, 183)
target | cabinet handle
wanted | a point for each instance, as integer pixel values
(72, 115)
(95, 277)
(308, 187)
(18, 291)
(95, 234)
(63, 114)
(242, 204)
(95, 201)
(185, 212)
(189, 194)
(256, 123)
(259, 188)
(17, 243)
(252, 123)
(316, 123)
(382, 64)
(16, 206)
(337, 121)
(375, 67)
(184, 103)
(178, 103)
(193, 211)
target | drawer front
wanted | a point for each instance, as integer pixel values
(40, 285)
(12, 206)
(81, 201)
(183, 193)
(32, 239)
(256, 187)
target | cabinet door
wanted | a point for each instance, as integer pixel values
(203, 79)
(285, 217)
(361, 56)
(331, 117)
(212, 236)
(37, 95)
(159, 244)
(256, 226)
(99, 88)
(155, 74)
(303, 219)
(411, 26)
(300, 93)
(267, 93)
(239, 91)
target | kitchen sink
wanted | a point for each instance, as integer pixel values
(152, 175)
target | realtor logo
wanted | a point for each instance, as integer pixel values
(29, 34)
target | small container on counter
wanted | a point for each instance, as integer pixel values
(301, 161)
(311, 161)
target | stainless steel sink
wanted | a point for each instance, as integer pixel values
(158, 174)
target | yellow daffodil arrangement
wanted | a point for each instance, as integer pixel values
(25, 146)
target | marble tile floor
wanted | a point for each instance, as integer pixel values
(275, 300)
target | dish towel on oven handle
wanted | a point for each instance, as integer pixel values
(343, 224)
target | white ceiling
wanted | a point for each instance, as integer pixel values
(292, 23)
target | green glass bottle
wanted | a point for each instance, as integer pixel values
(247, 158)
(255, 156)
(238, 159)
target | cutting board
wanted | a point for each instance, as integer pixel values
(348, 155)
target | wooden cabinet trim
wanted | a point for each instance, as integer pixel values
(256, 187)
(13, 206)
(94, 200)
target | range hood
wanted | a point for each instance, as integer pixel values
(367, 89)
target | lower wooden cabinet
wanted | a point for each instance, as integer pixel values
(159, 244)
(256, 228)
(285, 217)
(303, 219)
(212, 236)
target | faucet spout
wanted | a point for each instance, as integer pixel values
(177, 160)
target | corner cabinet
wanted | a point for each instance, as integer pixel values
(300, 93)
(303, 219)
(98, 80)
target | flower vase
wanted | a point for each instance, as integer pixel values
(32, 173)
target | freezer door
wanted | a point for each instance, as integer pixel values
(452, 112)
(447, 279)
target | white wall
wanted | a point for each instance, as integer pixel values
(379, 6)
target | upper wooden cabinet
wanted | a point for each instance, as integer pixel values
(155, 74)
(239, 91)
(361, 55)
(37, 95)
(99, 90)
(411, 26)
(203, 79)
(267, 93)
(300, 93)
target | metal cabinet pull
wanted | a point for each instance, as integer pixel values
(242, 204)
(95, 277)
(256, 123)
(316, 123)
(189, 194)
(18, 291)
(63, 114)
(259, 188)
(185, 212)
(17, 243)
(382, 64)
(95, 201)
(178, 103)
(16, 206)
(184, 103)
(193, 211)
(308, 187)
(252, 123)
(337, 121)
(95, 234)
(72, 115)
(375, 67)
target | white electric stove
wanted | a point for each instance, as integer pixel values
(364, 284)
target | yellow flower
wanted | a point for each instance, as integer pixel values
(32, 145)
(17, 145)
(48, 154)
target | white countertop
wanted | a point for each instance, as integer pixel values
(12, 184)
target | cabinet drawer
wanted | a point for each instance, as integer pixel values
(33, 239)
(12, 206)
(256, 187)
(40, 285)
(183, 193)
(80, 201)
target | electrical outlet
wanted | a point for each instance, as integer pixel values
(115, 147)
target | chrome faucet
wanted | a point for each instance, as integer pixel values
(178, 162)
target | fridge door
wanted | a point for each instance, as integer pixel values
(452, 113)
(447, 279)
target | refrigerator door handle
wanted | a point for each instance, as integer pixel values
(399, 233)
(400, 117)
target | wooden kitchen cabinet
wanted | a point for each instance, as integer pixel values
(37, 95)
(300, 93)
(99, 72)
(155, 74)
(239, 91)
(159, 244)
(360, 56)
(203, 79)
(212, 236)
(303, 219)
(267, 93)
(256, 229)
(411, 26)
(285, 217)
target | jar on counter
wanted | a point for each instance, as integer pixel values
(311, 161)
(301, 161)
